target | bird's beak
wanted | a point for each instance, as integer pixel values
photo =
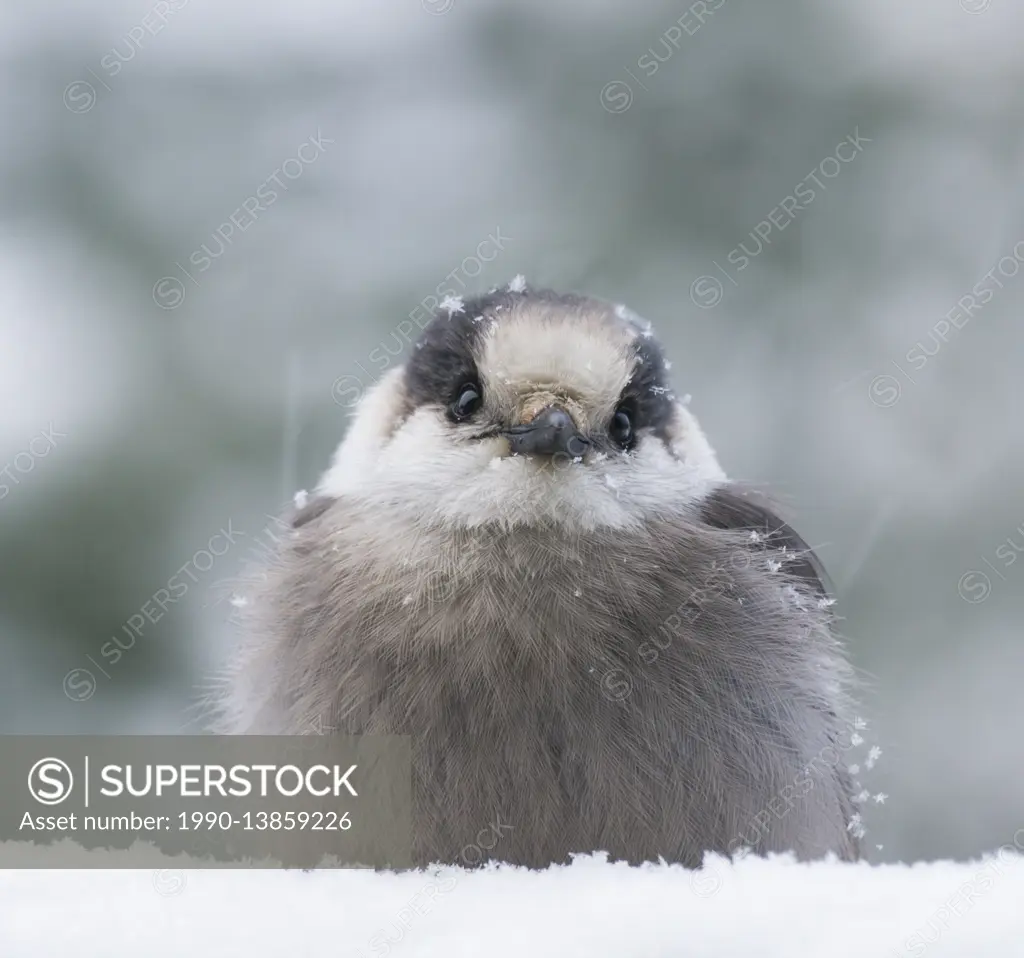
(551, 432)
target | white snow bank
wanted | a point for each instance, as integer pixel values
(754, 908)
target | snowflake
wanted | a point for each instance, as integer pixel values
(452, 304)
(880, 798)
(518, 283)
(795, 597)
(239, 601)
(577, 593)
(859, 723)
(853, 769)
(659, 390)
(826, 603)
(755, 536)
(668, 364)
(301, 498)
(862, 797)
(686, 399)
(856, 740)
(773, 565)
(478, 319)
(873, 756)
(855, 822)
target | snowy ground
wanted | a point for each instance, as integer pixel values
(754, 908)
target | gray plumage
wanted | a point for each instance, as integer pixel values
(620, 650)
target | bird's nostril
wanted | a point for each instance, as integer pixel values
(557, 419)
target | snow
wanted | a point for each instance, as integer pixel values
(774, 908)
(452, 305)
(301, 498)
(518, 284)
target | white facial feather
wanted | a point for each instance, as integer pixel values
(420, 469)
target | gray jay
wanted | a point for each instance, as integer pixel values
(526, 556)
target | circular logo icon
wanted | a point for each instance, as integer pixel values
(79, 96)
(616, 684)
(705, 881)
(347, 391)
(50, 781)
(706, 292)
(169, 881)
(885, 391)
(974, 587)
(617, 96)
(79, 685)
(169, 292)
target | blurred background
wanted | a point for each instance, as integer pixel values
(215, 218)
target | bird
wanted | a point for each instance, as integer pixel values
(525, 556)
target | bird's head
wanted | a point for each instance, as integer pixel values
(527, 407)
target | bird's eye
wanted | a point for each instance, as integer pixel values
(621, 428)
(468, 402)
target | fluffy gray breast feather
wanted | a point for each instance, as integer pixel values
(659, 692)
